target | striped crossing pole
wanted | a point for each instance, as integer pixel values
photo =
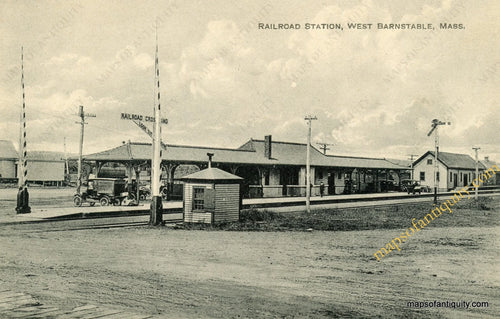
(23, 195)
(156, 217)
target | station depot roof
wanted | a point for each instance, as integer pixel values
(212, 174)
(251, 153)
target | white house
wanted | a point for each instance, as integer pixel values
(454, 170)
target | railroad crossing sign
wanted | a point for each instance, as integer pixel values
(140, 117)
(148, 131)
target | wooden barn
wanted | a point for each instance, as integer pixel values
(211, 196)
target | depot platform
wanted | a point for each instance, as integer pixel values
(172, 211)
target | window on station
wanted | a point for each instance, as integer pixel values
(437, 176)
(451, 177)
(198, 198)
(429, 161)
(422, 176)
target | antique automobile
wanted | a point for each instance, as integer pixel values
(413, 187)
(105, 191)
(405, 183)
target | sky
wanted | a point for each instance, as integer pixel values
(224, 80)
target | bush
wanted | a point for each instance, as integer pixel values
(255, 215)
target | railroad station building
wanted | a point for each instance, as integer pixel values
(454, 170)
(268, 168)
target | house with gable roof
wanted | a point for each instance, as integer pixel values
(454, 170)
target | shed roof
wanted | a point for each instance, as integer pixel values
(453, 160)
(45, 156)
(7, 150)
(212, 174)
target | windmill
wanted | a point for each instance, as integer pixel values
(435, 124)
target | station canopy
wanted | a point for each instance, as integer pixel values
(250, 153)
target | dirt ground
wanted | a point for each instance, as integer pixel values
(228, 274)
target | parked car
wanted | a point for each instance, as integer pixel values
(103, 190)
(413, 187)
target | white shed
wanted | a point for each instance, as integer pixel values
(211, 196)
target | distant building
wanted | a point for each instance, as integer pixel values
(495, 180)
(454, 170)
(8, 160)
(43, 167)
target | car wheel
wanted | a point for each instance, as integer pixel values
(77, 200)
(104, 201)
(117, 202)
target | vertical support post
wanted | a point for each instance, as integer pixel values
(80, 151)
(436, 166)
(137, 180)
(82, 123)
(476, 195)
(66, 164)
(308, 118)
(156, 217)
(412, 175)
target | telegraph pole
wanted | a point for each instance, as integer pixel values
(434, 125)
(411, 164)
(82, 122)
(477, 171)
(308, 118)
(324, 147)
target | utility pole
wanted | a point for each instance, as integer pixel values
(434, 125)
(477, 171)
(308, 118)
(411, 164)
(82, 122)
(324, 147)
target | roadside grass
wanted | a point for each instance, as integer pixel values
(466, 213)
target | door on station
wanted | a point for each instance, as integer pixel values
(455, 180)
(331, 183)
(465, 179)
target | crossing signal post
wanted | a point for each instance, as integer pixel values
(23, 206)
(156, 217)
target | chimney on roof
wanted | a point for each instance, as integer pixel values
(487, 158)
(267, 146)
(210, 155)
